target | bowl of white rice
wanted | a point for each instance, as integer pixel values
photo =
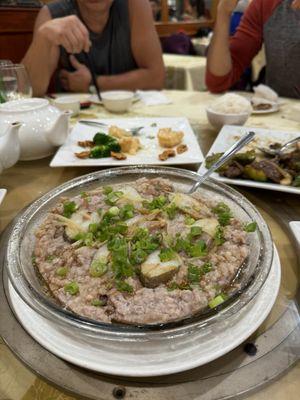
(229, 109)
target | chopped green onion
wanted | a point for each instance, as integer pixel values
(199, 249)
(62, 272)
(223, 212)
(113, 197)
(107, 190)
(93, 228)
(98, 268)
(98, 303)
(114, 211)
(194, 273)
(189, 220)
(157, 203)
(126, 212)
(50, 258)
(251, 227)
(33, 260)
(217, 301)
(219, 236)
(167, 254)
(123, 286)
(171, 210)
(69, 209)
(195, 231)
(72, 288)
(207, 267)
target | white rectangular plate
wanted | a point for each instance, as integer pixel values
(230, 134)
(2, 194)
(147, 155)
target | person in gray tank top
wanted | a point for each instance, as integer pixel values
(119, 36)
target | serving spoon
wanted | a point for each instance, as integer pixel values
(245, 139)
(133, 131)
(280, 150)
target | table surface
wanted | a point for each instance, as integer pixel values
(184, 61)
(28, 180)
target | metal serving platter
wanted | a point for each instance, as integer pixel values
(246, 369)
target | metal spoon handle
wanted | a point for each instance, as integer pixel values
(245, 139)
(289, 143)
(92, 123)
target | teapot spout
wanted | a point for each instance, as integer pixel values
(10, 148)
(57, 135)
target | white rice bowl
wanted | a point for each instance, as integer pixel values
(231, 103)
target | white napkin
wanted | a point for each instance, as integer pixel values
(265, 92)
(153, 97)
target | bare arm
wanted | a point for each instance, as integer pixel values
(228, 58)
(219, 58)
(146, 51)
(41, 58)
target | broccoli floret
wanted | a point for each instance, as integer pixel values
(102, 139)
(100, 151)
(115, 147)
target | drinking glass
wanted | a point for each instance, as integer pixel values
(14, 82)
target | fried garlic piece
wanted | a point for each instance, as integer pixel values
(167, 154)
(182, 148)
(83, 154)
(86, 143)
(118, 156)
(168, 138)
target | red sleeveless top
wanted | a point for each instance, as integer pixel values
(245, 44)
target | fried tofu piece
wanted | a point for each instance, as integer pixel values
(83, 154)
(129, 145)
(118, 156)
(182, 148)
(167, 154)
(168, 138)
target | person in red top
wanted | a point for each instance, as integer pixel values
(276, 23)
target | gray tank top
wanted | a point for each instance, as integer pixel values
(282, 44)
(111, 50)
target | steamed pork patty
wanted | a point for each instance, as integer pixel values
(140, 252)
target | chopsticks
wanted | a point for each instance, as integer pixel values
(93, 73)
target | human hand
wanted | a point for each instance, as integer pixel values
(77, 81)
(68, 32)
(296, 4)
(226, 7)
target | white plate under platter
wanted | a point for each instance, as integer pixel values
(155, 358)
(230, 134)
(2, 194)
(148, 155)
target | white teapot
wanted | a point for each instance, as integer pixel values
(43, 127)
(9, 146)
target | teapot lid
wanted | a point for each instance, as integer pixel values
(23, 105)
